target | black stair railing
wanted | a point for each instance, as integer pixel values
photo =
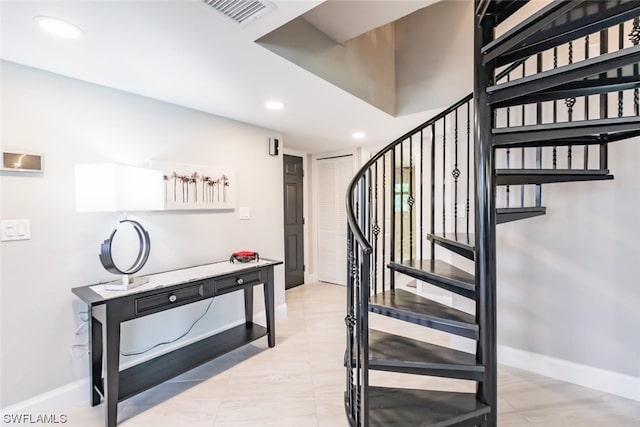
(423, 183)
(387, 222)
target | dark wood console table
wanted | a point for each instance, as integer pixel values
(165, 291)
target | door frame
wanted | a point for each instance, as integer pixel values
(308, 278)
(356, 155)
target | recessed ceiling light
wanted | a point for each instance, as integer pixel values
(274, 105)
(58, 27)
(358, 135)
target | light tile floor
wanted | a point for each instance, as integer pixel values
(300, 382)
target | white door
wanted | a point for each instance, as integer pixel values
(334, 175)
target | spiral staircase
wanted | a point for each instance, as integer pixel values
(551, 94)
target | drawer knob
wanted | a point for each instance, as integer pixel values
(239, 281)
(173, 298)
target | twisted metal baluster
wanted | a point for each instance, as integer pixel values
(375, 229)
(620, 46)
(634, 36)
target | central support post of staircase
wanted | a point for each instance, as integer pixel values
(485, 219)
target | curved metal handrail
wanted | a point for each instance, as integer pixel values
(351, 217)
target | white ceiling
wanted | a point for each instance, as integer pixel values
(186, 53)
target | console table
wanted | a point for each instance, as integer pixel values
(164, 291)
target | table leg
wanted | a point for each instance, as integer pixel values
(95, 359)
(248, 305)
(269, 307)
(112, 375)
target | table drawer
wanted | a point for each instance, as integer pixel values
(228, 282)
(169, 298)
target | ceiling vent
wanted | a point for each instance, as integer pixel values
(241, 11)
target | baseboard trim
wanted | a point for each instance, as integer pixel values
(587, 376)
(61, 399)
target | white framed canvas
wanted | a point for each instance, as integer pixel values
(188, 186)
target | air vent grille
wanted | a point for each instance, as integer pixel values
(240, 10)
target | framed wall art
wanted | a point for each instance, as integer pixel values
(188, 187)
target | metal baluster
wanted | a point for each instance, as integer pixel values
(555, 111)
(586, 105)
(456, 175)
(522, 186)
(634, 36)
(392, 208)
(570, 103)
(604, 103)
(433, 189)
(523, 151)
(411, 199)
(508, 187)
(620, 46)
(468, 164)
(538, 121)
(384, 219)
(444, 174)
(363, 333)
(349, 321)
(421, 196)
(402, 201)
(376, 229)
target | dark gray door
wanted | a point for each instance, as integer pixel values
(293, 222)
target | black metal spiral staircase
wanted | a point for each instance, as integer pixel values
(550, 95)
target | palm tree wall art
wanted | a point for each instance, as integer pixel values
(189, 187)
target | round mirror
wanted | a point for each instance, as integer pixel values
(127, 249)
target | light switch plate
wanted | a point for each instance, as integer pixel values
(244, 213)
(15, 229)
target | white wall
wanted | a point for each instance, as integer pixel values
(434, 57)
(75, 122)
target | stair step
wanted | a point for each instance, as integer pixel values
(461, 243)
(504, 215)
(547, 176)
(567, 133)
(556, 24)
(513, 90)
(439, 273)
(614, 80)
(396, 407)
(395, 353)
(409, 307)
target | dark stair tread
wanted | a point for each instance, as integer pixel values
(546, 176)
(395, 353)
(395, 407)
(556, 24)
(622, 59)
(623, 78)
(460, 243)
(504, 215)
(409, 307)
(438, 273)
(559, 132)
